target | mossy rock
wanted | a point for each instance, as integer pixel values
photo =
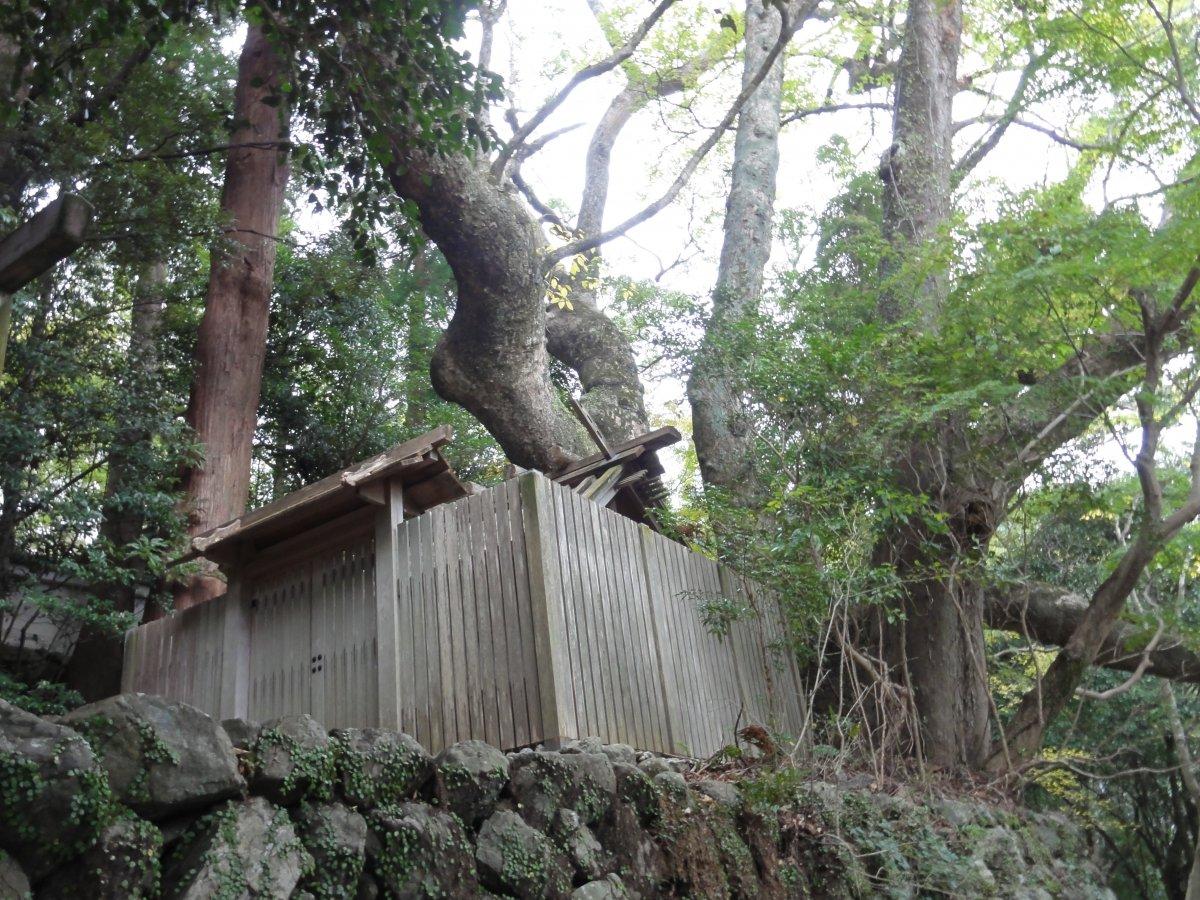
(414, 850)
(336, 837)
(163, 758)
(240, 849)
(468, 778)
(292, 759)
(379, 768)
(517, 859)
(122, 863)
(55, 799)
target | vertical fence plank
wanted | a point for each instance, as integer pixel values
(532, 675)
(545, 595)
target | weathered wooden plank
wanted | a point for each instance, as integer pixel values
(405, 649)
(627, 612)
(655, 734)
(514, 665)
(501, 692)
(615, 658)
(664, 656)
(529, 660)
(546, 601)
(578, 551)
(425, 633)
(579, 633)
(478, 551)
(467, 640)
(445, 613)
(387, 628)
(235, 642)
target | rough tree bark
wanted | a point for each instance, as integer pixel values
(95, 666)
(936, 647)
(916, 170)
(231, 344)
(492, 359)
(721, 425)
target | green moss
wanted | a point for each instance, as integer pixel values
(338, 867)
(92, 805)
(314, 769)
(394, 770)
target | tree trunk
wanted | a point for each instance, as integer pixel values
(936, 646)
(492, 359)
(721, 425)
(916, 170)
(231, 344)
(95, 665)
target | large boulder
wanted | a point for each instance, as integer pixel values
(54, 797)
(121, 864)
(516, 859)
(377, 768)
(242, 849)
(542, 783)
(163, 757)
(416, 851)
(637, 789)
(336, 836)
(292, 758)
(467, 780)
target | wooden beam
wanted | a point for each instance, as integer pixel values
(51, 235)
(34, 247)
(590, 425)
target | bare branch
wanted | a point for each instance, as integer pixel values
(1142, 667)
(590, 242)
(801, 114)
(976, 155)
(598, 68)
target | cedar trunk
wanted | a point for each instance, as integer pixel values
(231, 344)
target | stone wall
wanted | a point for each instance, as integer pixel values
(137, 796)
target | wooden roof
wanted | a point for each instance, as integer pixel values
(427, 478)
(625, 477)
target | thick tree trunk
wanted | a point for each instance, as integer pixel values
(916, 170)
(936, 646)
(492, 359)
(231, 344)
(721, 425)
(95, 665)
(1050, 615)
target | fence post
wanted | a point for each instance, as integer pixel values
(545, 598)
(388, 519)
(235, 649)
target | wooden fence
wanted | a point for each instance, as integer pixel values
(524, 613)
